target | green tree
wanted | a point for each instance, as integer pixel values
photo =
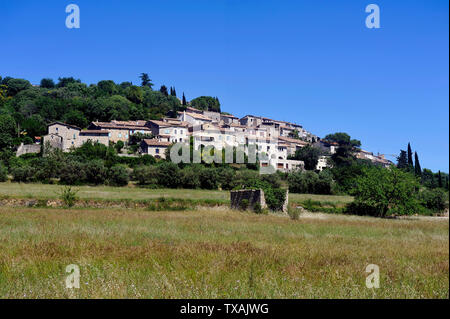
(107, 87)
(47, 83)
(118, 175)
(344, 155)
(76, 118)
(206, 103)
(163, 90)
(8, 131)
(64, 82)
(382, 192)
(402, 160)
(145, 80)
(17, 85)
(309, 155)
(440, 184)
(134, 94)
(410, 158)
(417, 168)
(184, 103)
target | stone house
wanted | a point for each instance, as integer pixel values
(169, 130)
(121, 130)
(65, 136)
(194, 119)
(154, 148)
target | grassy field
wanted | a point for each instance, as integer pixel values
(45, 191)
(209, 253)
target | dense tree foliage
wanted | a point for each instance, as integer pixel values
(309, 155)
(206, 103)
(382, 192)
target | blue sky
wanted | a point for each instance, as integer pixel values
(310, 62)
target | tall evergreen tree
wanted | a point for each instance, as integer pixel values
(184, 100)
(163, 90)
(439, 179)
(145, 80)
(402, 160)
(410, 158)
(417, 168)
(173, 92)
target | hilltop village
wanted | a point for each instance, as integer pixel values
(277, 139)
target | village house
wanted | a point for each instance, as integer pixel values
(169, 130)
(154, 148)
(292, 144)
(229, 119)
(322, 162)
(121, 130)
(65, 136)
(376, 159)
(194, 119)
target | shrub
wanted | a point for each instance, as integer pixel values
(119, 146)
(146, 175)
(23, 173)
(136, 161)
(168, 175)
(68, 196)
(434, 200)
(189, 177)
(225, 178)
(118, 175)
(72, 173)
(243, 205)
(257, 208)
(91, 151)
(275, 198)
(96, 172)
(3, 174)
(293, 213)
(273, 180)
(311, 183)
(208, 178)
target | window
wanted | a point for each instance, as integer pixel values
(109, 134)
(74, 136)
(56, 129)
(175, 132)
(228, 138)
(181, 131)
(157, 151)
(167, 131)
(120, 135)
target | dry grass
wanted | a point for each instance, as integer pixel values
(212, 253)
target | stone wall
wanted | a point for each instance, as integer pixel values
(27, 149)
(252, 195)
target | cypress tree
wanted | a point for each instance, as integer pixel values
(184, 100)
(410, 159)
(402, 160)
(439, 179)
(163, 90)
(173, 92)
(417, 168)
